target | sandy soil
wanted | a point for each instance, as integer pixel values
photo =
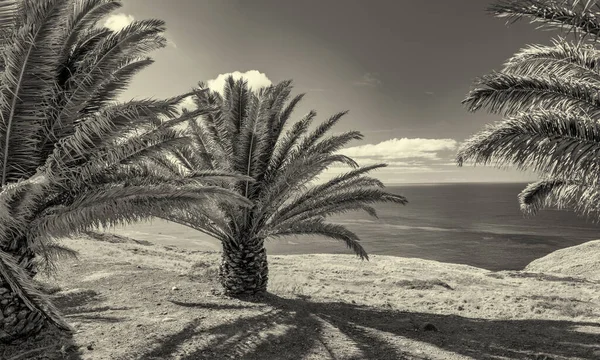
(135, 300)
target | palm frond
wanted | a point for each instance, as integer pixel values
(507, 94)
(319, 132)
(563, 194)
(574, 15)
(50, 255)
(21, 284)
(338, 202)
(133, 41)
(319, 227)
(86, 14)
(27, 80)
(549, 142)
(562, 60)
(8, 15)
(118, 207)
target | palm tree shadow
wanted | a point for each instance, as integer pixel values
(296, 328)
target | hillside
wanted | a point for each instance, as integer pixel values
(136, 300)
(581, 260)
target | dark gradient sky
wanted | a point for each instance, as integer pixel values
(401, 67)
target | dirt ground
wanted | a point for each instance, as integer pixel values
(135, 300)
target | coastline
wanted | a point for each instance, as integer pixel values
(132, 299)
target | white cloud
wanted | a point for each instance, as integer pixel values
(117, 22)
(187, 103)
(405, 148)
(256, 80)
(369, 79)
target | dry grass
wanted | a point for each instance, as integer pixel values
(137, 301)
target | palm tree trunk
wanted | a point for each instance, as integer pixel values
(16, 319)
(244, 269)
(25, 258)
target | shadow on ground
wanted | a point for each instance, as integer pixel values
(299, 328)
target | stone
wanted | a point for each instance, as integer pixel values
(429, 327)
(174, 288)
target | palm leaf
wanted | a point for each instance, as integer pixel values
(548, 142)
(563, 60)
(21, 284)
(319, 227)
(575, 15)
(27, 80)
(507, 94)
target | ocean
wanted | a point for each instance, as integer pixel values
(477, 224)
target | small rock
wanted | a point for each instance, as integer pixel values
(90, 347)
(138, 325)
(461, 308)
(354, 301)
(430, 327)
(167, 319)
(139, 267)
(174, 288)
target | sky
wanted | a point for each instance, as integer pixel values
(401, 68)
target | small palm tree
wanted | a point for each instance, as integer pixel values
(71, 158)
(549, 97)
(250, 134)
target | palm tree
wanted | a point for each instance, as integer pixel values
(71, 158)
(251, 134)
(95, 177)
(58, 67)
(549, 98)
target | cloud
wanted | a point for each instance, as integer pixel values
(188, 104)
(398, 149)
(117, 22)
(256, 80)
(369, 79)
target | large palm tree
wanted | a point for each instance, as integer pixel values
(58, 66)
(71, 158)
(549, 98)
(95, 177)
(251, 134)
